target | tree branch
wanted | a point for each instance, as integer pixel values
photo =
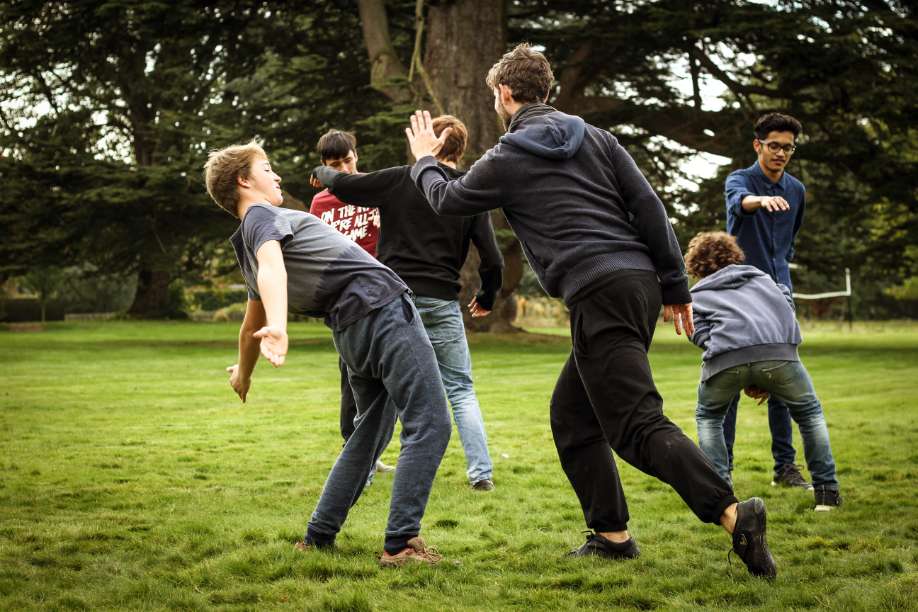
(693, 68)
(571, 78)
(710, 131)
(385, 68)
(735, 86)
(416, 56)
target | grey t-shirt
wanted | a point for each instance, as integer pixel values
(327, 274)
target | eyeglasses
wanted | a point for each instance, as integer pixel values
(774, 147)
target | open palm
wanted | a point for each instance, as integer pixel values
(273, 344)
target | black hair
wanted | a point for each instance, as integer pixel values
(776, 122)
(336, 144)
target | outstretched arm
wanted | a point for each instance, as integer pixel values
(241, 371)
(478, 190)
(272, 285)
(372, 189)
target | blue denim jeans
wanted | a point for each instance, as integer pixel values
(443, 322)
(786, 381)
(779, 423)
(393, 373)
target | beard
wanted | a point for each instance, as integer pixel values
(504, 116)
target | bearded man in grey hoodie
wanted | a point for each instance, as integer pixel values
(596, 235)
(745, 323)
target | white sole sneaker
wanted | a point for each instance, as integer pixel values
(382, 468)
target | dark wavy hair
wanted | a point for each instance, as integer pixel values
(708, 252)
(776, 122)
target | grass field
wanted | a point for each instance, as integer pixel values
(132, 478)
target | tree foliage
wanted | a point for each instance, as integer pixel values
(108, 108)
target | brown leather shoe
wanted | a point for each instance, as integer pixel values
(415, 552)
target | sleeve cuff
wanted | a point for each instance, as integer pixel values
(677, 293)
(325, 175)
(738, 206)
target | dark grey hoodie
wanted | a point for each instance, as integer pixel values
(742, 316)
(574, 198)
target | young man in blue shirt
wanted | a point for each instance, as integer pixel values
(765, 208)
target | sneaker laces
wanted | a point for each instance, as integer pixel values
(429, 551)
(432, 553)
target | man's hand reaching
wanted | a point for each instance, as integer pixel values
(273, 344)
(681, 316)
(421, 137)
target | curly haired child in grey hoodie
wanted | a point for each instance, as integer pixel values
(746, 325)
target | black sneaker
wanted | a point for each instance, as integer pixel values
(598, 546)
(826, 499)
(789, 476)
(485, 484)
(749, 538)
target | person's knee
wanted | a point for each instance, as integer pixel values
(440, 430)
(459, 393)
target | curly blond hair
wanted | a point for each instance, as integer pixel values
(708, 252)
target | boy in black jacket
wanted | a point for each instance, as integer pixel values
(427, 251)
(598, 236)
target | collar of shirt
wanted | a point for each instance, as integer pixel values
(757, 170)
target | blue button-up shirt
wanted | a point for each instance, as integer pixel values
(767, 238)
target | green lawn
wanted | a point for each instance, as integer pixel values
(132, 478)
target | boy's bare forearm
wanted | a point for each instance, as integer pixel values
(248, 351)
(248, 343)
(272, 284)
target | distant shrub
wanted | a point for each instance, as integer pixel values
(215, 298)
(233, 312)
(20, 310)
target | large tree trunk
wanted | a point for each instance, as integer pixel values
(153, 300)
(463, 40)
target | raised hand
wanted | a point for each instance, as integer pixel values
(273, 344)
(421, 137)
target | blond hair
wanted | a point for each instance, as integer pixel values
(223, 169)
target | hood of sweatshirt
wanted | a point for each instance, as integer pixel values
(543, 131)
(731, 277)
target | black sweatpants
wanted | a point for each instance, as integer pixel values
(606, 397)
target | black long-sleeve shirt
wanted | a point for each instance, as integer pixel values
(425, 249)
